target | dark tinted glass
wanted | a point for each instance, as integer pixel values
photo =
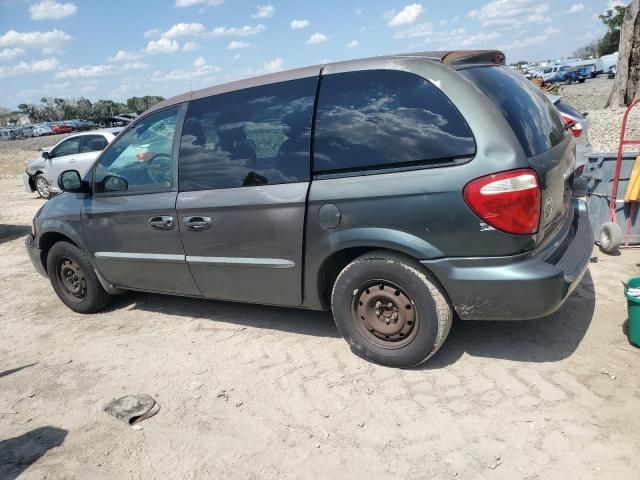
(379, 118)
(530, 114)
(93, 143)
(143, 155)
(68, 147)
(256, 136)
(568, 109)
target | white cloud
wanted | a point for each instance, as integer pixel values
(524, 42)
(199, 62)
(359, 11)
(191, 3)
(43, 65)
(33, 39)
(200, 69)
(317, 38)
(298, 24)
(153, 33)
(190, 46)
(353, 44)
(88, 88)
(236, 45)
(264, 11)
(9, 53)
(576, 8)
(406, 16)
(511, 13)
(163, 45)
(184, 30)
(133, 66)
(236, 32)
(50, 10)
(416, 31)
(124, 56)
(86, 71)
(275, 65)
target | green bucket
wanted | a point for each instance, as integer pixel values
(633, 308)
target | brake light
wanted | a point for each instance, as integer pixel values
(508, 201)
(574, 127)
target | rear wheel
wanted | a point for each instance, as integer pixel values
(42, 187)
(74, 280)
(390, 310)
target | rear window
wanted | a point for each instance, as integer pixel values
(385, 118)
(531, 115)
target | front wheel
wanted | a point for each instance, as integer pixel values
(390, 310)
(74, 280)
(42, 187)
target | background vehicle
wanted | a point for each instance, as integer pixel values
(61, 128)
(607, 61)
(612, 72)
(421, 198)
(41, 130)
(28, 131)
(76, 152)
(7, 134)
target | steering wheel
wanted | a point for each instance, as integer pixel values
(159, 168)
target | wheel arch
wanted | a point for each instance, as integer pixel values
(48, 240)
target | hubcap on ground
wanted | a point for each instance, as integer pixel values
(385, 314)
(72, 280)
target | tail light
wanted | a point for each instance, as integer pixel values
(573, 126)
(508, 201)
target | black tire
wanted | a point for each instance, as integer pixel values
(610, 237)
(405, 279)
(87, 295)
(581, 80)
(42, 186)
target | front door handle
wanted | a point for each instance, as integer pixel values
(162, 222)
(197, 224)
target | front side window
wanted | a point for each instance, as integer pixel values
(257, 136)
(142, 156)
(384, 118)
(68, 147)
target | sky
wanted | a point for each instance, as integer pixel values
(117, 49)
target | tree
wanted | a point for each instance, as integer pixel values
(613, 21)
(626, 86)
(590, 50)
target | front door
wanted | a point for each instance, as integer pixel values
(130, 222)
(244, 175)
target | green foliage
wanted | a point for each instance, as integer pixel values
(52, 109)
(613, 21)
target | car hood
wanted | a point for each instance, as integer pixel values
(35, 164)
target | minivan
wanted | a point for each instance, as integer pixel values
(399, 192)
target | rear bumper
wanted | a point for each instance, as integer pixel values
(521, 287)
(35, 254)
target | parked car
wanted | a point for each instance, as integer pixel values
(27, 131)
(76, 151)
(612, 72)
(41, 130)
(438, 183)
(7, 134)
(61, 128)
(578, 124)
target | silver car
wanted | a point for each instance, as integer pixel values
(77, 152)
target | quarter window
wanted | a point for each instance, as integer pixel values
(143, 155)
(251, 137)
(382, 118)
(93, 143)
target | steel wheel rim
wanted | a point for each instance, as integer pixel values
(71, 280)
(385, 314)
(42, 186)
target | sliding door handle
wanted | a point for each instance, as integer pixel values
(197, 224)
(162, 222)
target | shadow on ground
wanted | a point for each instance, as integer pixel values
(11, 232)
(18, 453)
(547, 339)
(14, 370)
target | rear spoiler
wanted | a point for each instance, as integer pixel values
(463, 57)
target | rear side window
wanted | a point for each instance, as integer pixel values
(383, 118)
(533, 118)
(93, 143)
(257, 136)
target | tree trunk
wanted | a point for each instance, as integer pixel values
(626, 86)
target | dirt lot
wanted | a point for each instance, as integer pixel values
(256, 392)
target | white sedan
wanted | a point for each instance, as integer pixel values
(75, 152)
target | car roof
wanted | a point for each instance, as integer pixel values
(452, 58)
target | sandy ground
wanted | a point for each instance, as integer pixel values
(255, 392)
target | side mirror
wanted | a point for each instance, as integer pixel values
(113, 183)
(70, 181)
(46, 155)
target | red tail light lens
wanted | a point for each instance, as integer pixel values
(508, 201)
(574, 127)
